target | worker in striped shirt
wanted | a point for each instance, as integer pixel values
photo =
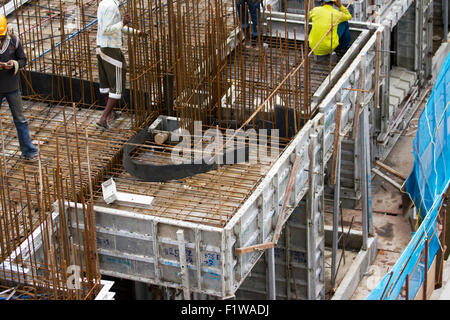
(111, 61)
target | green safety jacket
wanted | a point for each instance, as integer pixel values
(321, 23)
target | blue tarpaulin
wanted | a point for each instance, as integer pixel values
(431, 173)
(426, 185)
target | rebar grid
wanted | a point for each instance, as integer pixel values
(27, 194)
(186, 58)
(210, 198)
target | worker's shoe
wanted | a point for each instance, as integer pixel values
(31, 157)
(102, 126)
(116, 115)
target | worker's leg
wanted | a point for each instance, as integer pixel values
(343, 31)
(110, 105)
(113, 66)
(242, 13)
(114, 114)
(254, 6)
(15, 105)
(103, 79)
(242, 10)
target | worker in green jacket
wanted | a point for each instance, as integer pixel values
(323, 17)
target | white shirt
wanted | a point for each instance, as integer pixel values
(110, 24)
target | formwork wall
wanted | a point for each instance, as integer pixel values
(298, 257)
(293, 274)
(145, 248)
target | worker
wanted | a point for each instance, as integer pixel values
(111, 61)
(321, 18)
(13, 58)
(252, 8)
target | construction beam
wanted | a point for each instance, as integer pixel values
(359, 95)
(270, 254)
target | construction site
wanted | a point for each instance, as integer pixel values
(232, 172)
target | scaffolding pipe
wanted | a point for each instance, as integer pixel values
(271, 268)
(336, 206)
(445, 17)
(364, 177)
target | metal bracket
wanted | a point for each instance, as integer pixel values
(110, 195)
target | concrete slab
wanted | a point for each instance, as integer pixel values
(356, 272)
(344, 267)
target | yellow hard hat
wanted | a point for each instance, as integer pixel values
(3, 25)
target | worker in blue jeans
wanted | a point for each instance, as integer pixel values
(343, 31)
(252, 8)
(27, 148)
(12, 58)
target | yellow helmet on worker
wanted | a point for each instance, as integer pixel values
(3, 25)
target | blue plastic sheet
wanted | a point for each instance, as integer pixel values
(430, 176)
(426, 185)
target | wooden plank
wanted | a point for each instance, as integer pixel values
(337, 134)
(256, 247)
(390, 170)
(385, 177)
(183, 264)
(359, 95)
(287, 195)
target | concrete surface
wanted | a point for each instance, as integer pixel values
(443, 293)
(344, 267)
(357, 271)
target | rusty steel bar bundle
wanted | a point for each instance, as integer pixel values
(29, 208)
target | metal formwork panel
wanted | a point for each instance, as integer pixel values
(291, 264)
(360, 7)
(350, 172)
(299, 255)
(213, 267)
(406, 46)
(144, 248)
